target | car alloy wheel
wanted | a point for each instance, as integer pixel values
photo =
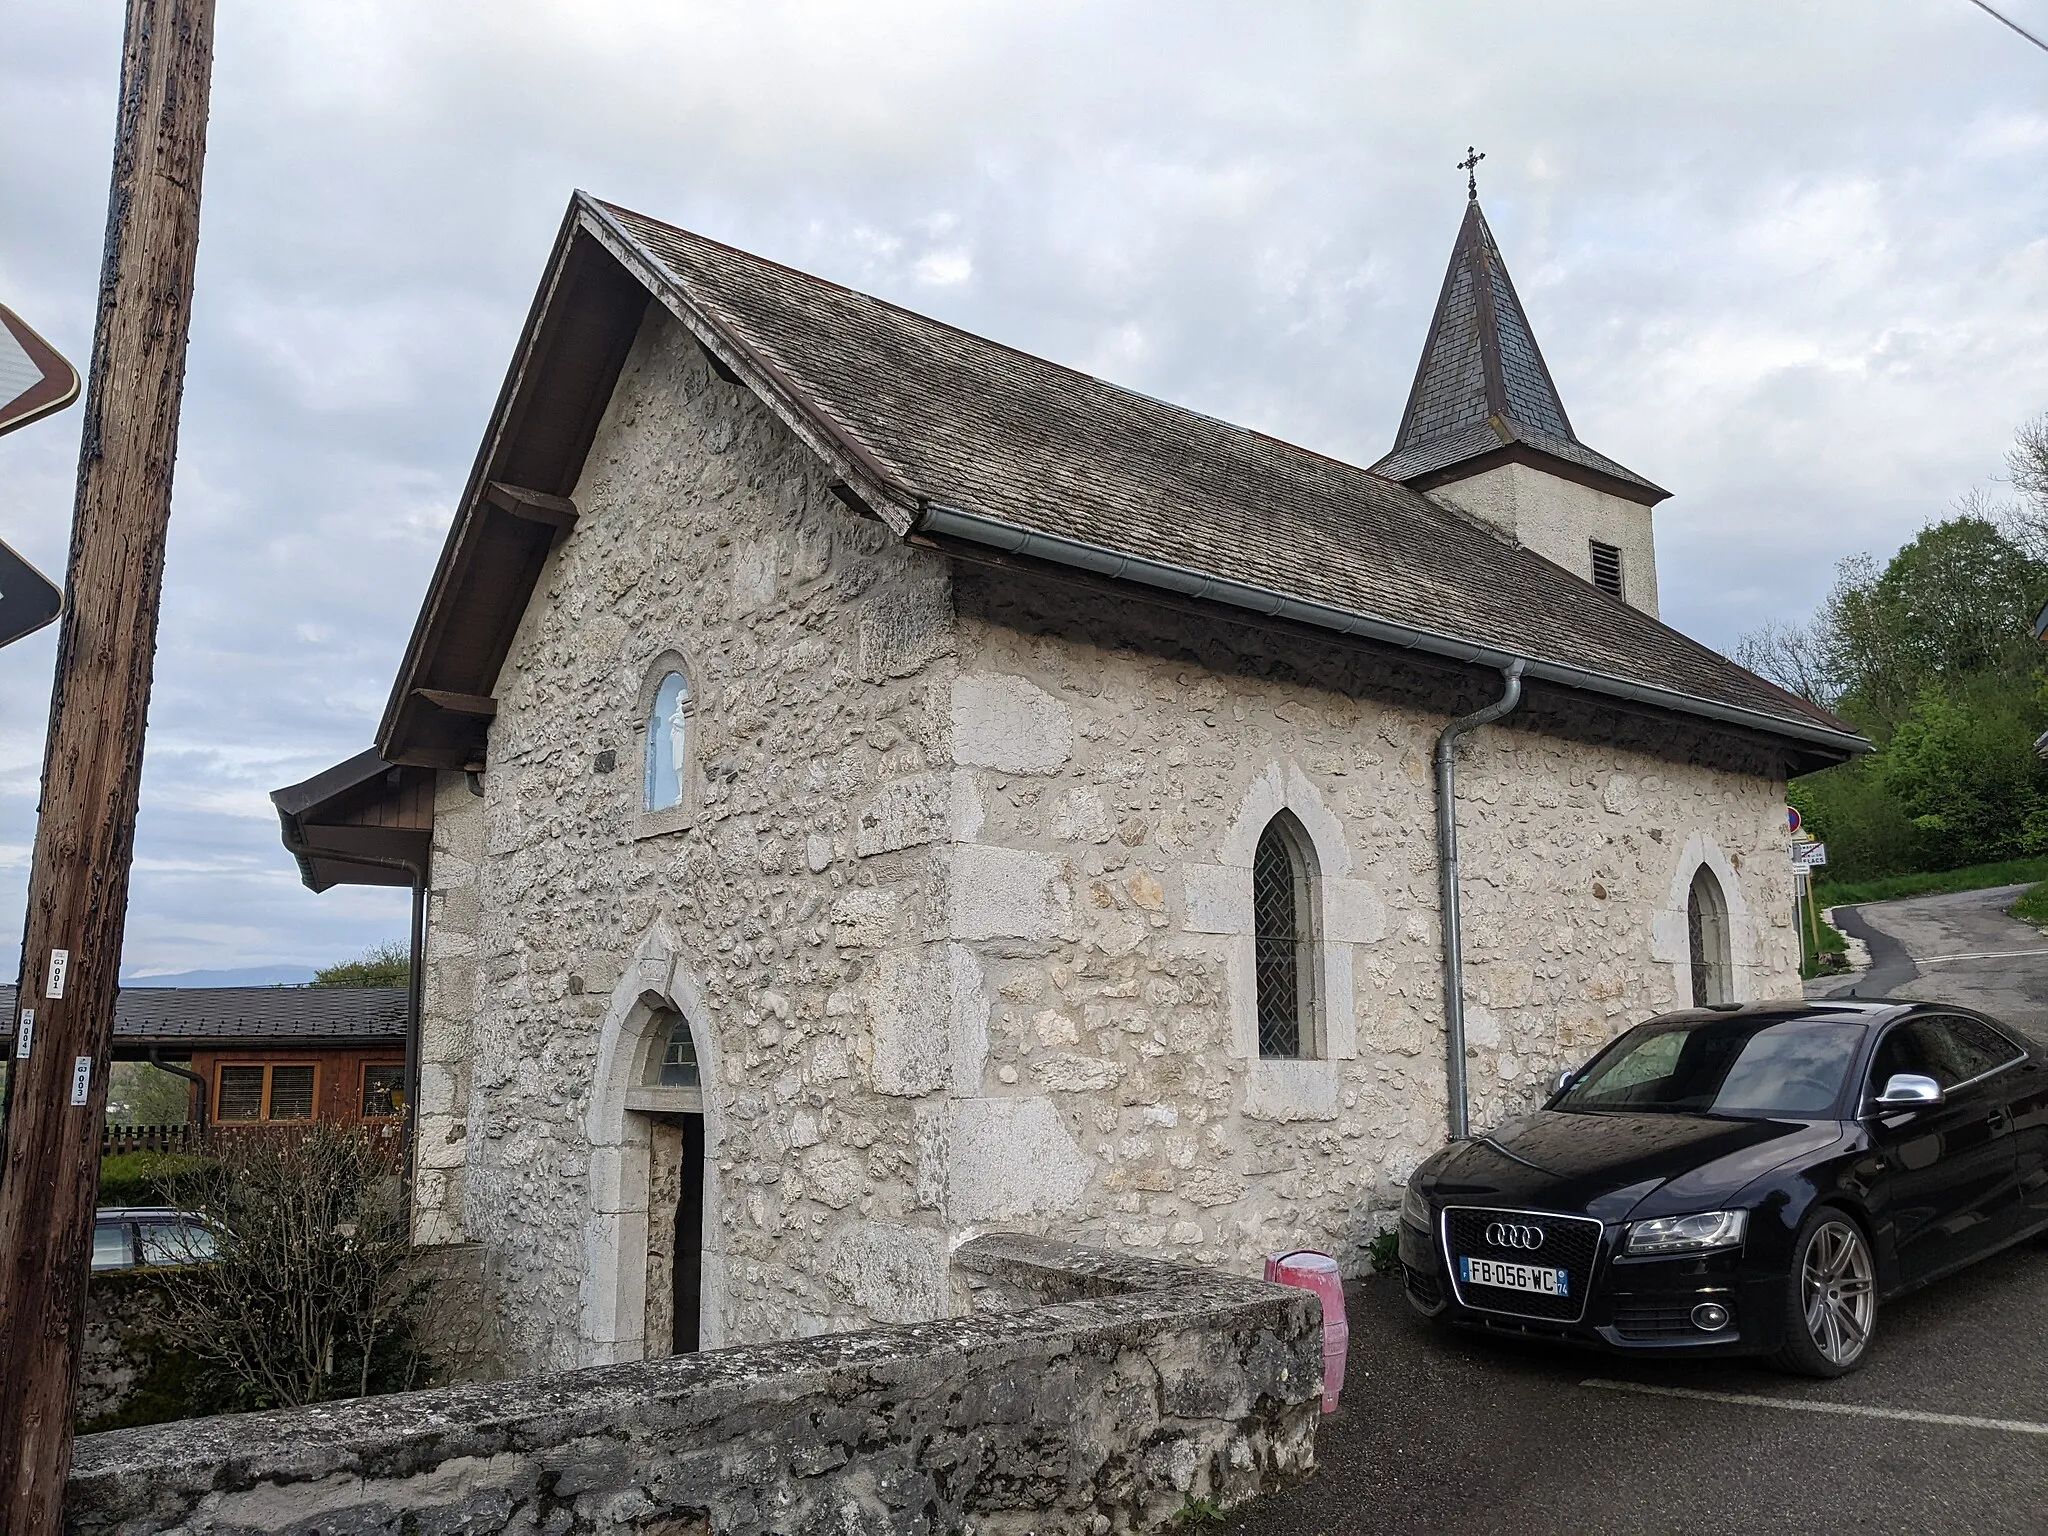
(1838, 1288)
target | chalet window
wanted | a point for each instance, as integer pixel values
(254, 1093)
(291, 1093)
(240, 1095)
(1706, 928)
(1607, 568)
(1283, 940)
(667, 755)
(676, 1067)
(383, 1090)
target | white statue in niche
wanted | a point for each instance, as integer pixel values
(666, 744)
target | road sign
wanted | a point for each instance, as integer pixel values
(1792, 815)
(27, 600)
(34, 379)
(1809, 855)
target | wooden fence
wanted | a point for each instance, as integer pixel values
(116, 1139)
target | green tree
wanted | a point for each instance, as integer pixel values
(384, 965)
(1956, 603)
(1961, 766)
(1931, 656)
(148, 1095)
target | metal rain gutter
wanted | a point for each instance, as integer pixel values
(994, 533)
(1457, 1099)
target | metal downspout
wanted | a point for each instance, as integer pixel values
(1447, 876)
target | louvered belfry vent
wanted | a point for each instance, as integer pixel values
(1607, 568)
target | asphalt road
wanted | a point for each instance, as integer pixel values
(1450, 1433)
(1954, 949)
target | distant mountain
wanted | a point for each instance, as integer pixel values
(246, 976)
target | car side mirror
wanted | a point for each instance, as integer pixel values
(1909, 1090)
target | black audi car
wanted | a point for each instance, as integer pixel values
(1744, 1180)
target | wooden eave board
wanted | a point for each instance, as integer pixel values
(567, 362)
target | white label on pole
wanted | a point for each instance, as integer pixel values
(60, 967)
(81, 1079)
(25, 1035)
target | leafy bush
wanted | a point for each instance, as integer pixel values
(1384, 1249)
(314, 1292)
(147, 1178)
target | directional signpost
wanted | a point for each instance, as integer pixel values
(28, 599)
(1807, 856)
(34, 381)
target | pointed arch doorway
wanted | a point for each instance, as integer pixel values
(652, 1249)
(671, 1095)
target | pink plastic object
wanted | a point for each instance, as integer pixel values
(1311, 1271)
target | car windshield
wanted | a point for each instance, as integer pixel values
(1730, 1066)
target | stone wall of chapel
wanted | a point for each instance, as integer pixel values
(1114, 773)
(819, 654)
(448, 1003)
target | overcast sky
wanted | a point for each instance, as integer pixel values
(1786, 260)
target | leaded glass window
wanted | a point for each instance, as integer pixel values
(1282, 941)
(667, 758)
(1706, 931)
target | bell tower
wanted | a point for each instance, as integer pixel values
(1486, 433)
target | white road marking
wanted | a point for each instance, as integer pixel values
(1807, 1405)
(1995, 954)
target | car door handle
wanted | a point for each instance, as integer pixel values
(1999, 1120)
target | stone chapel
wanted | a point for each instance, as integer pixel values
(863, 785)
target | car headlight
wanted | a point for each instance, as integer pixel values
(1415, 1209)
(1687, 1234)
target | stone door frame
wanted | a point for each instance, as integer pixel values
(612, 1324)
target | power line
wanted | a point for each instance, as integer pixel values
(2023, 32)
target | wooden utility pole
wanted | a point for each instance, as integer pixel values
(92, 761)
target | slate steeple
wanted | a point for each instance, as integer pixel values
(1483, 395)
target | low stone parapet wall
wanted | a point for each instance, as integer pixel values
(1085, 1392)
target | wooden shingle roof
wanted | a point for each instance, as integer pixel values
(923, 421)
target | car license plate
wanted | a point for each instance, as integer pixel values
(1515, 1277)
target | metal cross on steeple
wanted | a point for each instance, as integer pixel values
(1470, 166)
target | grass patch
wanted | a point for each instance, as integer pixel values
(2032, 907)
(1830, 959)
(1975, 877)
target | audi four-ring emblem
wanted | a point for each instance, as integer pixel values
(1510, 1234)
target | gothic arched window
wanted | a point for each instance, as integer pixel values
(674, 1063)
(1283, 939)
(1706, 929)
(667, 744)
